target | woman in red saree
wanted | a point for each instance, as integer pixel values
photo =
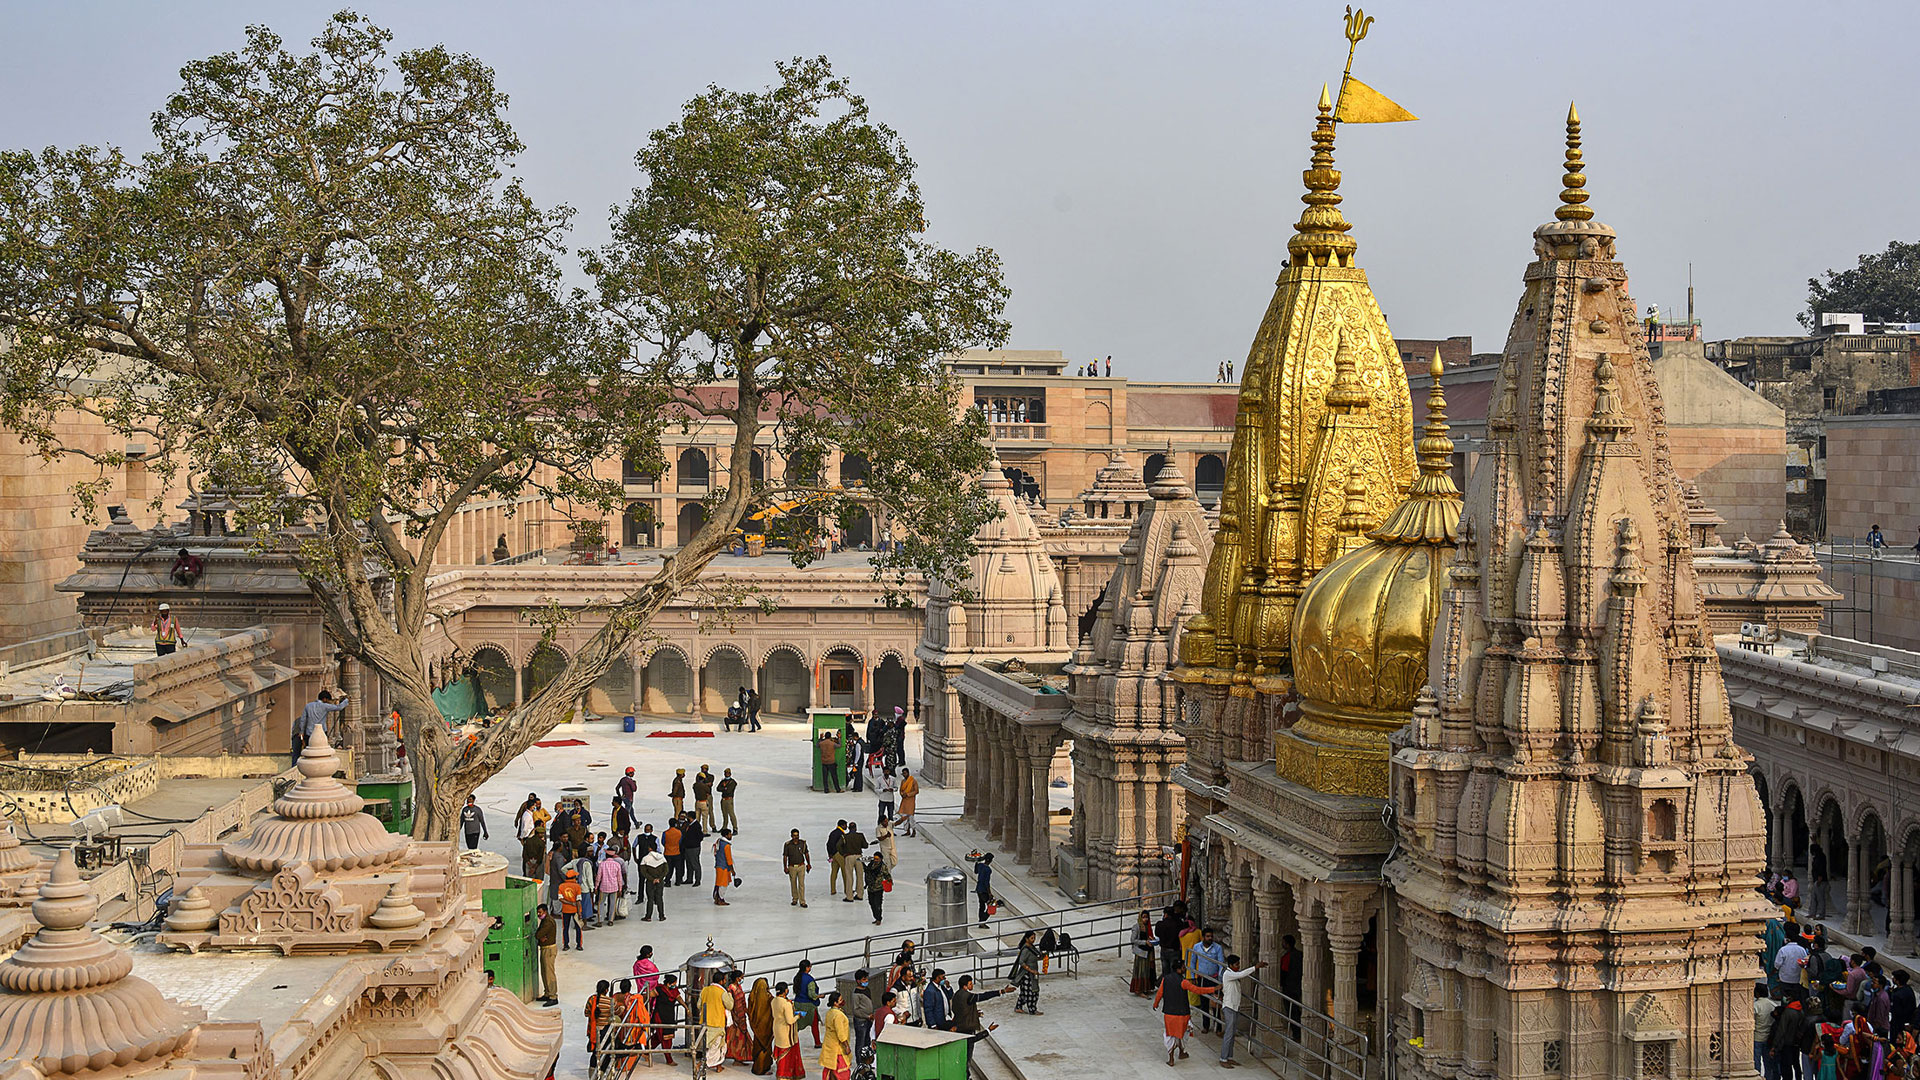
(739, 1034)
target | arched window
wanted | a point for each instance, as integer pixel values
(693, 468)
(854, 470)
(1209, 478)
(1155, 462)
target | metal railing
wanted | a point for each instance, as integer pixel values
(620, 1047)
(1336, 1051)
(848, 953)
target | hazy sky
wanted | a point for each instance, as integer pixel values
(1137, 165)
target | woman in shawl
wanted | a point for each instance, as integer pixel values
(836, 1052)
(630, 1011)
(760, 1017)
(806, 1000)
(739, 1034)
(786, 1038)
(1143, 943)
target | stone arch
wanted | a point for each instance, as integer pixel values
(889, 650)
(666, 681)
(1099, 421)
(843, 676)
(545, 662)
(692, 515)
(844, 646)
(692, 469)
(1909, 845)
(615, 691)
(1865, 815)
(766, 654)
(539, 646)
(892, 683)
(784, 680)
(496, 682)
(723, 671)
(1209, 478)
(1151, 470)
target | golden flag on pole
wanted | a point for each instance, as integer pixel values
(1362, 104)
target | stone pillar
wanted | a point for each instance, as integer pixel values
(1240, 932)
(973, 765)
(1019, 794)
(1313, 968)
(1267, 899)
(993, 806)
(1040, 765)
(1900, 938)
(1859, 909)
(1345, 943)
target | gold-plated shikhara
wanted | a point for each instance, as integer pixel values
(1322, 438)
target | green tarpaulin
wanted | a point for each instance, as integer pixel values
(459, 702)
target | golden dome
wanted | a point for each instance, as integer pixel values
(1361, 631)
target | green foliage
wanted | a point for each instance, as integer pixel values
(778, 243)
(1885, 287)
(324, 287)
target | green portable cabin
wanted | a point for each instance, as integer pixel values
(510, 953)
(390, 800)
(822, 721)
(913, 1053)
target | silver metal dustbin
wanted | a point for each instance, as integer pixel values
(946, 910)
(702, 968)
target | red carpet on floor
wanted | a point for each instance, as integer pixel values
(562, 742)
(679, 734)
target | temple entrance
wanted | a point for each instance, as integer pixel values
(890, 685)
(722, 679)
(494, 679)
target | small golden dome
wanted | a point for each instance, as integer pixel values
(1362, 627)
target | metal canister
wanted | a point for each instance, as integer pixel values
(946, 910)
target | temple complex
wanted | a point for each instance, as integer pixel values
(1009, 607)
(1125, 748)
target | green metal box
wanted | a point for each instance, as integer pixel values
(513, 906)
(823, 721)
(511, 963)
(912, 1053)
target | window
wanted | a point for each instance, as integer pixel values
(1823, 448)
(1552, 1054)
(1660, 820)
(1829, 398)
(1653, 1060)
(1713, 1047)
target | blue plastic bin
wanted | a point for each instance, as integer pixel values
(626, 724)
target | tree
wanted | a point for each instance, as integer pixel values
(322, 287)
(1885, 287)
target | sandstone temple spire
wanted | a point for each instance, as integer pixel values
(1578, 834)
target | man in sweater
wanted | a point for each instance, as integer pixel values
(966, 1007)
(473, 823)
(1230, 997)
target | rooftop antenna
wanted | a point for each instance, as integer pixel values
(1689, 294)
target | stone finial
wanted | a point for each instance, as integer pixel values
(14, 857)
(67, 1003)
(396, 910)
(1573, 196)
(317, 821)
(192, 913)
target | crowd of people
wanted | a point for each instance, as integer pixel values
(644, 1020)
(1829, 1014)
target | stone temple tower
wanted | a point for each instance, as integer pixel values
(1577, 832)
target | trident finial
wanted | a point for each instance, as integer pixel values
(1358, 23)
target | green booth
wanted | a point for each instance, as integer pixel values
(821, 722)
(510, 952)
(911, 1053)
(389, 800)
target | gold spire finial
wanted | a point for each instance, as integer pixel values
(1573, 196)
(1435, 448)
(1347, 393)
(1319, 238)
